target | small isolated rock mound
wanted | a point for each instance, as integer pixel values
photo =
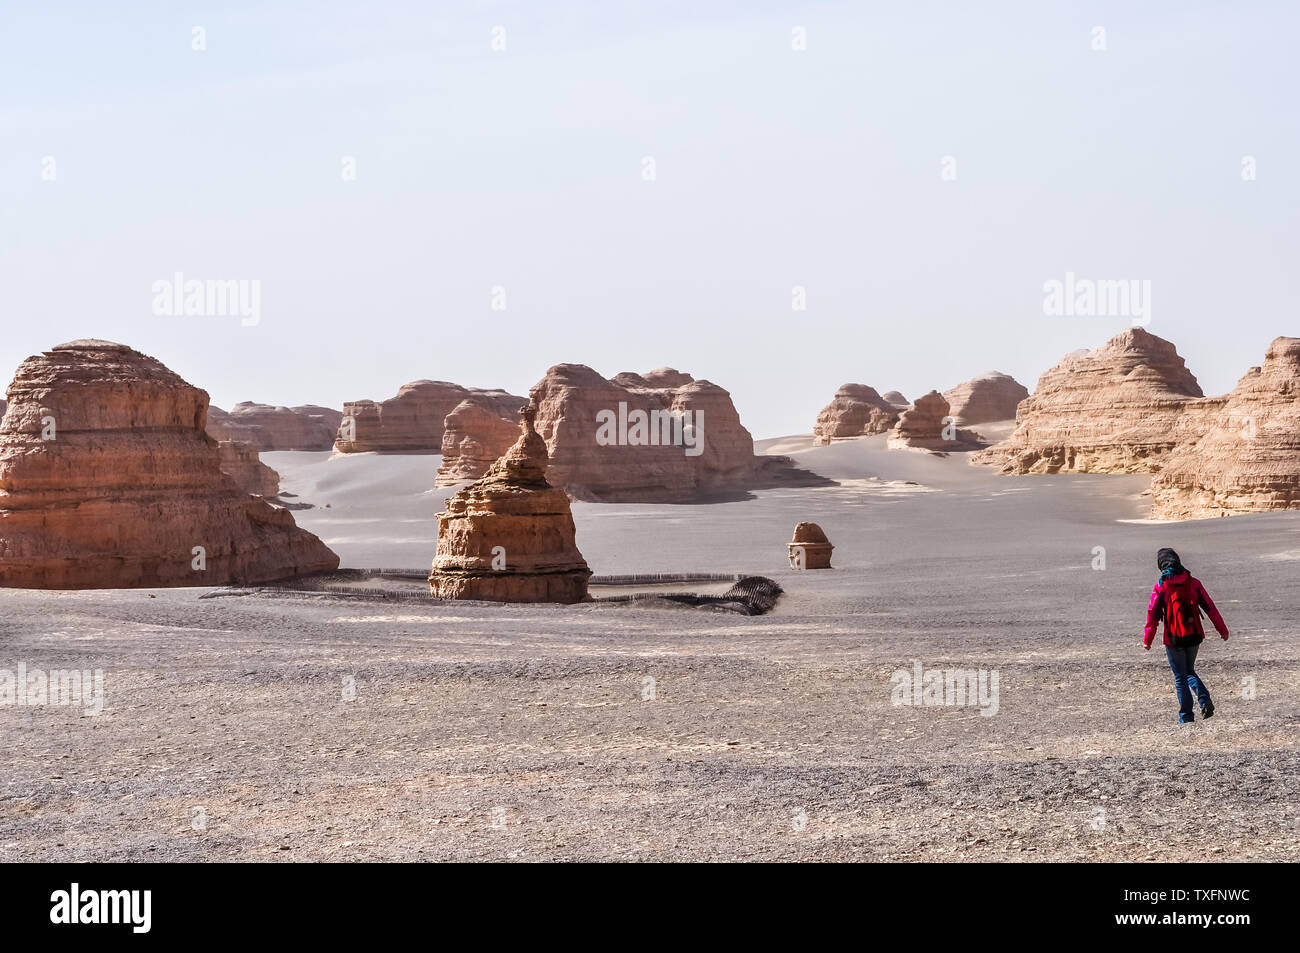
(240, 462)
(991, 396)
(1248, 459)
(107, 480)
(896, 399)
(414, 420)
(855, 411)
(810, 549)
(276, 428)
(928, 425)
(1118, 409)
(510, 536)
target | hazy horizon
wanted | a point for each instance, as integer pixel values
(921, 173)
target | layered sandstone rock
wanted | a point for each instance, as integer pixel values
(240, 462)
(275, 428)
(928, 424)
(894, 398)
(475, 435)
(412, 421)
(632, 440)
(855, 411)
(990, 397)
(1118, 409)
(810, 549)
(1248, 459)
(510, 536)
(107, 480)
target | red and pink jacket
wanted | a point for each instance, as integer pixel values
(1156, 608)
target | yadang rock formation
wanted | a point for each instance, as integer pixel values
(510, 537)
(268, 428)
(656, 437)
(896, 399)
(810, 549)
(475, 435)
(240, 462)
(1248, 458)
(108, 480)
(1118, 409)
(928, 425)
(412, 421)
(855, 411)
(989, 397)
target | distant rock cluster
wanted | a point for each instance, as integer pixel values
(275, 428)
(413, 421)
(1132, 406)
(857, 410)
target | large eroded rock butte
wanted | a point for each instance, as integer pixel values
(510, 536)
(1118, 409)
(990, 397)
(699, 444)
(412, 421)
(129, 485)
(855, 411)
(308, 427)
(646, 455)
(1248, 458)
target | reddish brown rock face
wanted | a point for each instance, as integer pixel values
(990, 397)
(107, 480)
(276, 428)
(240, 462)
(413, 421)
(1248, 459)
(856, 411)
(1118, 409)
(631, 440)
(928, 424)
(894, 398)
(476, 434)
(510, 536)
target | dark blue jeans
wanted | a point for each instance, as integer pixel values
(1186, 681)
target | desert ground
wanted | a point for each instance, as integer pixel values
(263, 726)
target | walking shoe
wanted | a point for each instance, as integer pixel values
(1207, 712)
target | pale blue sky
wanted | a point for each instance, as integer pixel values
(522, 169)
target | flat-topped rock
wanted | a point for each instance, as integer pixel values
(240, 462)
(108, 480)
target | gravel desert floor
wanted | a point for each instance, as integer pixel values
(269, 726)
